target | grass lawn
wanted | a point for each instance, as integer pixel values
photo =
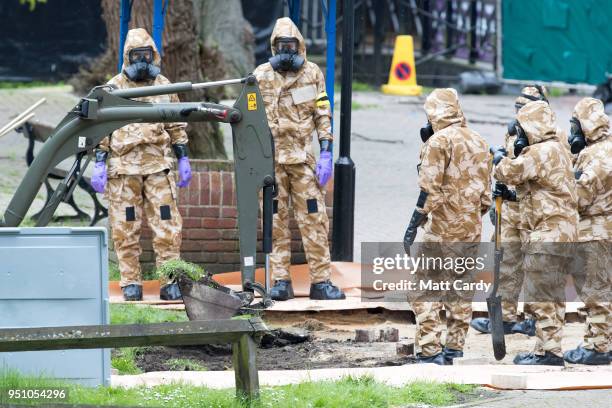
(140, 314)
(31, 84)
(348, 392)
(124, 359)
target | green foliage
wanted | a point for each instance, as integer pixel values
(556, 92)
(32, 3)
(28, 222)
(124, 360)
(358, 106)
(31, 84)
(362, 87)
(355, 392)
(185, 364)
(246, 316)
(461, 388)
(113, 272)
(169, 270)
(357, 87)
(140, 314)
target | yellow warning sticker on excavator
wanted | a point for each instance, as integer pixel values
(252, 101)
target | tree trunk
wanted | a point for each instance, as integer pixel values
(185, 58)
(222, 26)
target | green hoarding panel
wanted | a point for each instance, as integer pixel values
(557, 40)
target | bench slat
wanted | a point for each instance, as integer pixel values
(131, 335)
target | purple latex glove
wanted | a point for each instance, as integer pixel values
(184, 171)
(98, 179)
(324, 168)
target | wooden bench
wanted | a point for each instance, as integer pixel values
(40, 132)
(239, 332)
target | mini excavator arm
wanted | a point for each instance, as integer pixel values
(106, 109)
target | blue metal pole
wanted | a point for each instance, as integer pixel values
(330, 59)
(295, 11)
(159, 11)
(125, 16)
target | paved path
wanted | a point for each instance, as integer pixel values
(544, 399)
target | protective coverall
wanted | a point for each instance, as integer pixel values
(454, 179)
(297, 106)
(593, 272)
(543, 170)
(141, 180)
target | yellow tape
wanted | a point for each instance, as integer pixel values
(323, 101)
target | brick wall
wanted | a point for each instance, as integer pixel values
(210, 234)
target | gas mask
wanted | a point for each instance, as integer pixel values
(287, 57)
(426, 132)
(576, 139)
(141, 66)
(521, 141)
(542, 97)
(512, 127)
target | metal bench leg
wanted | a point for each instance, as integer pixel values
(50, 191)
(245, 368)
(100, 212)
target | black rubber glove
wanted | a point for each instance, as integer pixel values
(502, 190)
(512, 127)
(492, 215)
(416, 221)
(101, 156)
(180, 150)
(498, 153)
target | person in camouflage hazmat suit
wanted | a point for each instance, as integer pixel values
(548, 209)
(455, 191)
(511, 268)
(590, 139)
(293, 90)
(137, 162)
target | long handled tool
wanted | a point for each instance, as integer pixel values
(494, 301)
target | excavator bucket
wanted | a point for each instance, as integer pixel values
(207, 300)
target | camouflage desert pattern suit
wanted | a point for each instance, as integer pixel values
(511, 269)
(547, 195)
(140, 180)
(594, 168)
(454, 176)
(296, 106)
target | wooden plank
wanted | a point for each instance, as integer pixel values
(244, 354)
(132, 335)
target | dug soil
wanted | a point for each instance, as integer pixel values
(324, 340)
(297, 342)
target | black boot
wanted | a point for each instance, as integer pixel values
(326, 291)
(483, 325)
(533, 359)
(450, 354)
(438, 359)
(170, 291)
(282, 290)
(580, 355)
(132, 292)
(527, 326)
